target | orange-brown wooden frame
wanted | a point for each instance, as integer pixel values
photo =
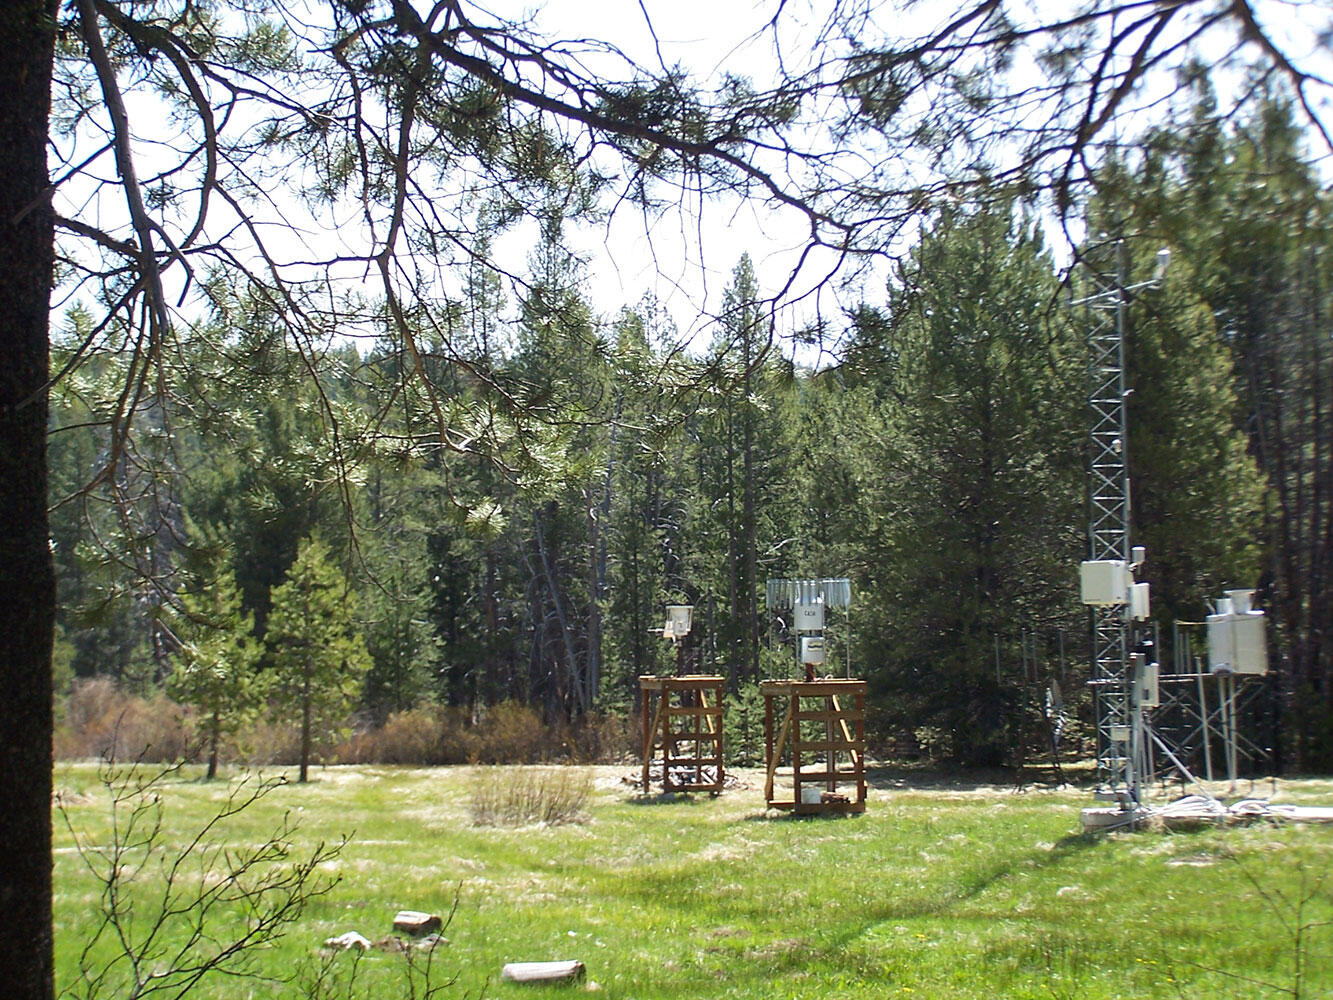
(834, 760)
(682, 719)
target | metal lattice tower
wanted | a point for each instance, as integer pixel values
(1126, 682)
(1108, 530)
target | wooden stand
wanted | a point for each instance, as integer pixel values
(826, 754)
(683, 717)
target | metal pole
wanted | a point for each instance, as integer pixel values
(1231, 732)
(1207, 729)
(1134, 768)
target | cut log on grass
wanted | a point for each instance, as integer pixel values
(542, 972)
(416, 923)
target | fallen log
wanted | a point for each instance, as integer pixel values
(542, 972)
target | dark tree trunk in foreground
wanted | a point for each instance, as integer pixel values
(27, 587)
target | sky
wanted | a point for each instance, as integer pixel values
(684, 258)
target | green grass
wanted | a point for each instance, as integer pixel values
(938, 890)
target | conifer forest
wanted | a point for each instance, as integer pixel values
(505, 485)
(592, 471)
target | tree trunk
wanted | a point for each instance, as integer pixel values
(572, 672)
(749, 535)
(592, 676)
(735, 634)
(306, 709)
(214, 738)
(27, 614)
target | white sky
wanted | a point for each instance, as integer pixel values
(688, 259)
(685, 258)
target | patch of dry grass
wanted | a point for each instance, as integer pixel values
(526, 796)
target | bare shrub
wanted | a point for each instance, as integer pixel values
(103, 721)
(423, 736)
(460, 740)
(511, 733)
(412, 737)
(521, 796)
(174, 914)
(271, 742)
(603, 739)
(507, 733)
(361, 747)
(427, 735)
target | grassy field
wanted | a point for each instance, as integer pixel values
(941, 889)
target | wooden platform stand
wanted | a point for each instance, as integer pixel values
(827, 754)
(682, 718)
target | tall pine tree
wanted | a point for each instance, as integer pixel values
(319, 658)
(980, 384)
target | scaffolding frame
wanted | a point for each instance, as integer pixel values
(1200, 711)
(682, 726)
(822, 738)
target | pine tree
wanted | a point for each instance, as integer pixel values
(978, 458)
(319, 658)
(743, 447)
(642, 524)
(1196, 493)
(562, 361)
(216, 667)
(1252, 222)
